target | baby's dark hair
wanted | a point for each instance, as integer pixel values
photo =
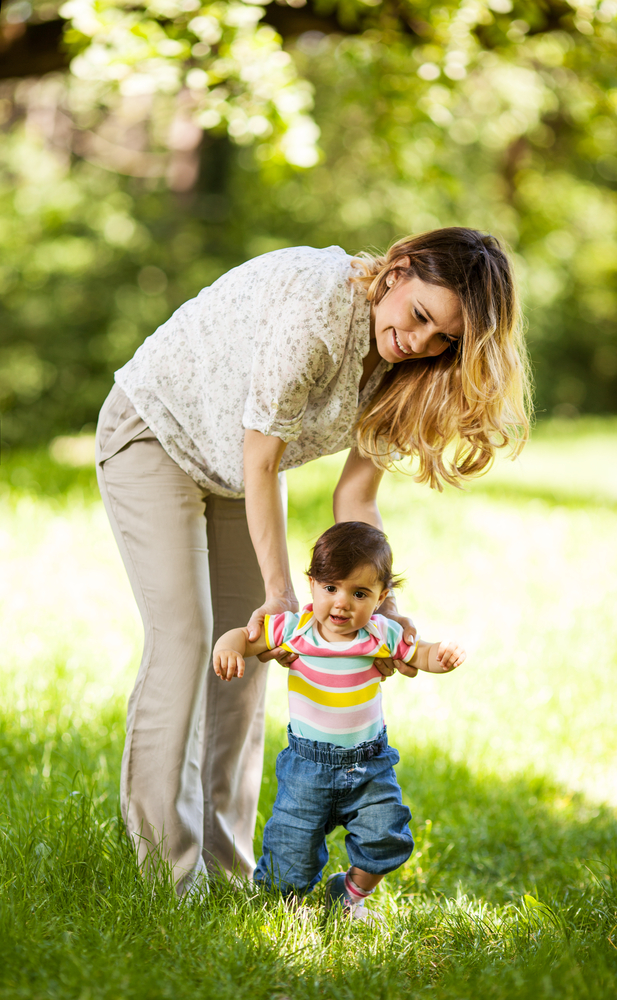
(348, 545)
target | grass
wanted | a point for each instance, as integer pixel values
(507, 764)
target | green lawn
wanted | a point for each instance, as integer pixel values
(507, 765)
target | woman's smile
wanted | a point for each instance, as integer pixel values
(398, 346)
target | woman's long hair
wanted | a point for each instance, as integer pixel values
(476, 395)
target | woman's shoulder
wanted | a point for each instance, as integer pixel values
(307, 274)
(303, 262)
(306, 292)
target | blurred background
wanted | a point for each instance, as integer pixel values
(148, 147)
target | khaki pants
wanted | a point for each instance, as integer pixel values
(192, 762)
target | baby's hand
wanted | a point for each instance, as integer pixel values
(227, 663)
(446, 656)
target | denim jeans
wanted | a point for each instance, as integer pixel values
(320, 787)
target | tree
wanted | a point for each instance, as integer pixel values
(498, 118)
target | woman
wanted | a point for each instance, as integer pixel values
(293, 355)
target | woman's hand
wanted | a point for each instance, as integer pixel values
(387, 667)
(274, 606)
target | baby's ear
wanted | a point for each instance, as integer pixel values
(385, 593)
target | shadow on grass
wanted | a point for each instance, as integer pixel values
(490, 837)
(78, 920)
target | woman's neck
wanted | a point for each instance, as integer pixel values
(370, 363)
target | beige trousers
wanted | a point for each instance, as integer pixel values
(192, 762)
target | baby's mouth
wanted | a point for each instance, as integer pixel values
(338, 619)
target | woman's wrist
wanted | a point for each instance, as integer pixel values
(284, 598)
(279, 590)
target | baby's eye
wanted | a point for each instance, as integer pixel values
(330, 588)
(359, 594)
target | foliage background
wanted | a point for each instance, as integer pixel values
(163, 159)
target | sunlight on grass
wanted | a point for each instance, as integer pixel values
(506, 764)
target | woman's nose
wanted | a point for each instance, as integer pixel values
(423, 342)
(420, 341)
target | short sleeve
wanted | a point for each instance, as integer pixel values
(393, 633)
(278, 629)
(305, 321)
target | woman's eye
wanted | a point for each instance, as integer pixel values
(420, 316)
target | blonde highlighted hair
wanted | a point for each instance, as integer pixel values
(476, 396)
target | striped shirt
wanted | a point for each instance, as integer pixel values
(334, 688)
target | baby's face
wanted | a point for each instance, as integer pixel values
(342, 607)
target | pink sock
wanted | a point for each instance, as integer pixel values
(353, 892)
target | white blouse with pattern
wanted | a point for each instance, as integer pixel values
(275, 345)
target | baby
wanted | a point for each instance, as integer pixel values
(338, 767)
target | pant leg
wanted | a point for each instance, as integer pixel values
(371, 809)
(294, 847)
(233, 714)
(157, 515)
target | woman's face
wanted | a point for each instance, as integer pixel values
(415, 320)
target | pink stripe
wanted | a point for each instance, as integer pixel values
(277, 623)
(302, 645)
(333, 679)
(402, 650)
(355, 718)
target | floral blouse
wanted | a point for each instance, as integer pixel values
(275, 345)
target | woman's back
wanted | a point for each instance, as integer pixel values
(274, 345)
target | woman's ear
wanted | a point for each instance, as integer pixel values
(402, 261)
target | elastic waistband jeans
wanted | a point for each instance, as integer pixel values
(328, 753)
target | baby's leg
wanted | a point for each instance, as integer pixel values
(294, 847)
(378, 837)
(364, 880)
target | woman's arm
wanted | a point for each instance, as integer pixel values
(266, 521)
(355, 499)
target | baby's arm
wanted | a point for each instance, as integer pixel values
(438, 657)
(230, 650)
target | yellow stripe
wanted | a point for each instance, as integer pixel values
(333, 699)
(268, 631)
(382, 653)
(304, 618)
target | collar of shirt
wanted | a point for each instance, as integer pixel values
(307, 620)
